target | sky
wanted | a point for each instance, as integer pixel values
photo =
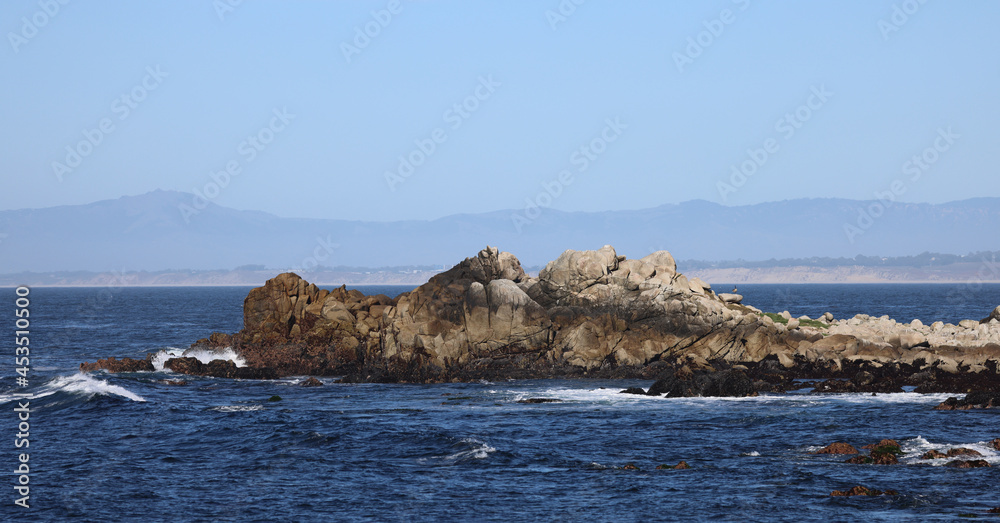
(396, 110)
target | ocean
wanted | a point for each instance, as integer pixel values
(141, 447)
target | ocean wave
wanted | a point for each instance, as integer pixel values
(468, 449)
(79, 384)
(237, 408)
(203, 355)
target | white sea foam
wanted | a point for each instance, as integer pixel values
(614, 395)
(474, 449)
(916, 447)
(203, 355)
(237, 408)
(78, 383)
(751, 454)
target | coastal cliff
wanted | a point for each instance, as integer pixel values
(588, 313)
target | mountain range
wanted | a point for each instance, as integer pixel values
(161, 230)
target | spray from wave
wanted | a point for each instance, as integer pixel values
(203, 355)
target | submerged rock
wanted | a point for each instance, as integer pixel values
(971, 464)
(683, 465)
(863, 491)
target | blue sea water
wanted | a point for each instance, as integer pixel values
(130, 447)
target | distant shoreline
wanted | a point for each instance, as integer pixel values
(958, 274)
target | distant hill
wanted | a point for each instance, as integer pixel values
(151, 233)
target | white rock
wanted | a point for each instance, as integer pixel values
(968, 324)
(731, 298)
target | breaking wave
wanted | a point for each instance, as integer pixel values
(78, 384)
(203, 355)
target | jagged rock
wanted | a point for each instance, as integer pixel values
(218, 369)
(726, 383)
(972, 400)
(311, 382)
(995, 315)
(593, 312)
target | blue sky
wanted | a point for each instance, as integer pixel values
(602, 106)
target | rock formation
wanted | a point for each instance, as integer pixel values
(593, 313)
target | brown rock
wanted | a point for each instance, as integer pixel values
(884, 458)
(962, 451)
(114, 365)
(630, 466)
(863, 491)
(933, 454)
(311, 382)
(837, 448)
(884, 443)
(995, 443)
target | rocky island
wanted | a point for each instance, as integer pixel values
(588, 314)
